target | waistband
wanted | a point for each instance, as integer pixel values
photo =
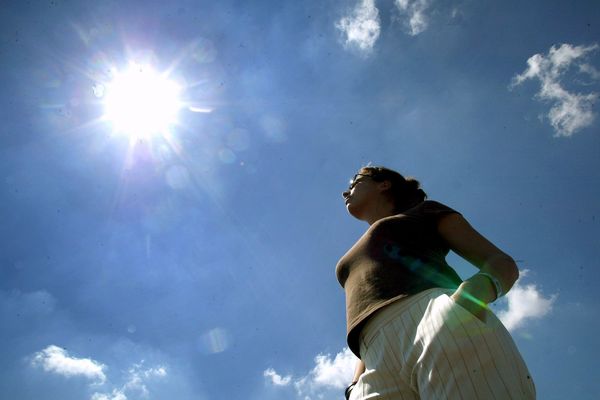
(393, 310)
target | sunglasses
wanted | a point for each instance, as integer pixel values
(355, 179)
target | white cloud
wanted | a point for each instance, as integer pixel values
(415, 10)
(524, 302)
(158, 372)
(590, 70)
(362, 27)
(327, 378)
(138, 377)
(115, 395)
(56, 360)
(334, 372)
(277, 379)
(570, 112)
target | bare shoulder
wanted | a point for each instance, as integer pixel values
(451, 223)
(465, 240)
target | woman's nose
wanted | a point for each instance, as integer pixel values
(346, 193)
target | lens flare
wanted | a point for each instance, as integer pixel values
(216, 340)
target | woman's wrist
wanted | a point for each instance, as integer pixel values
(478, 289)
(499, 291)
(474, 298)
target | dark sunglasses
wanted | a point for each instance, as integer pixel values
(355, 179)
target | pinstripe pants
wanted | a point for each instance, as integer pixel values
(428, 347)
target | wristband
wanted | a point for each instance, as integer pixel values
(349, 390)
(495, 283)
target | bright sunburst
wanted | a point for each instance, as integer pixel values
(139, 102)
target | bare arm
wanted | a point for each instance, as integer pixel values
(464, 240)
(360, 368)
(358, 371)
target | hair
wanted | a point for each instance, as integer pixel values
(405, 192)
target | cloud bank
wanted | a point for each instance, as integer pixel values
(570, 112)
(361, 28)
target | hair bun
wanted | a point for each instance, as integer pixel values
(405, 191)
(413, 184)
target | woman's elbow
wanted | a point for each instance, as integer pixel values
(514, 272)
(510, 271)
(504, 268)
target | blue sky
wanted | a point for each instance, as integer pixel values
(199, 263)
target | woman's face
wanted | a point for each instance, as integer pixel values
(360, 195)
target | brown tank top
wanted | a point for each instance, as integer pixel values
(396, 257)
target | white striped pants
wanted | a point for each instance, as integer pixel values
(428, 347)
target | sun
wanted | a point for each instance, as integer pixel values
(141, 103)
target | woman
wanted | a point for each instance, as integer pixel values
(419, 331)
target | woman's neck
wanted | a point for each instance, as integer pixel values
(382, 210)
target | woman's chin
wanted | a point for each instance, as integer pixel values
(353, 211)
